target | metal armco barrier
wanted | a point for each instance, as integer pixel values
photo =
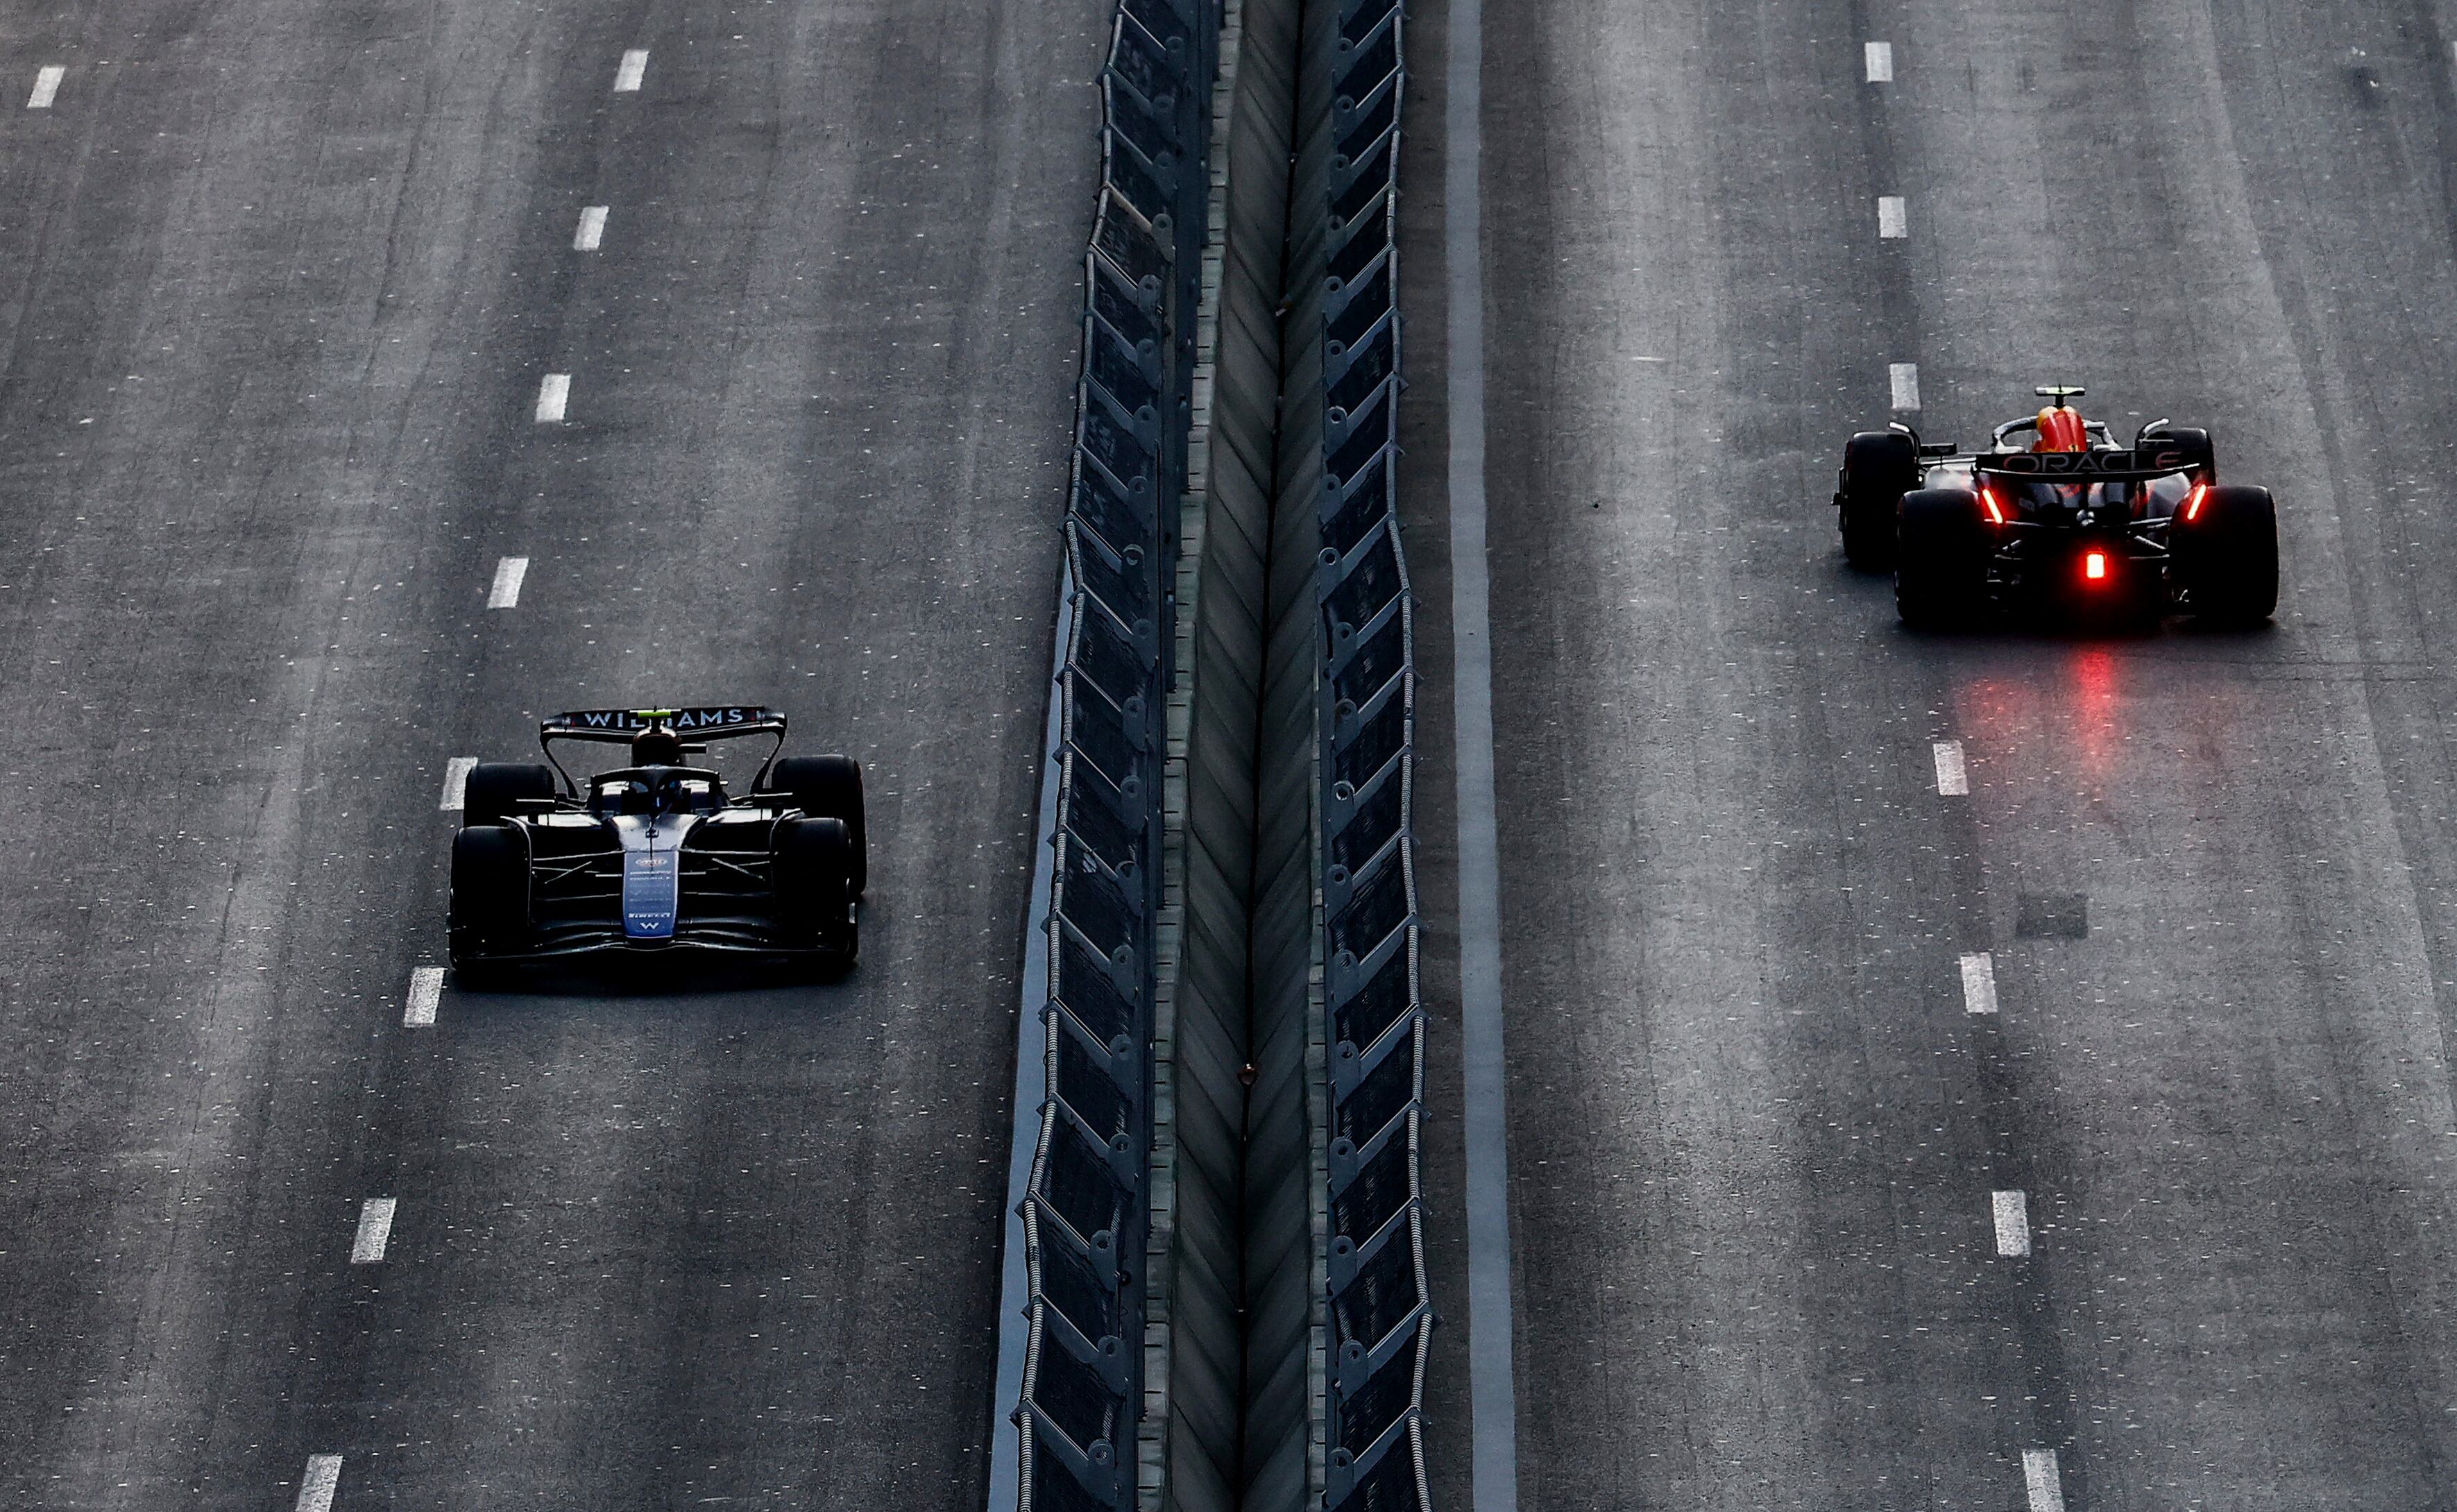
(1087, 1206)
(1381, 1317)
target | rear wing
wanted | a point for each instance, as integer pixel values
(712, 722)
(699, 725)
(2102, 465)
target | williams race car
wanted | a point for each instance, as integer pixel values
(2069, 522)
(654, 856)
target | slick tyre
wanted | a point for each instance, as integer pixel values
(830, 787)
(2199, 454)
(814, 896)
(1879, 467)
(2227, 557)
(1941, 549)
(489, 911)
(497, 789)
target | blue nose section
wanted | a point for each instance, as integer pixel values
(652, 887)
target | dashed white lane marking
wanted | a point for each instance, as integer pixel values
(375, 1231)
(505, 593)
(323, 1477)
(635, 64)
(592, 229)
(1893, 222)
(2012, 1213)
(1979, 984)
(1881, 62)
(554, 391)
(1952, 777)
(47, 87)
(455, 781)
(2040, 1477)
(425, 994)
(1905, 378)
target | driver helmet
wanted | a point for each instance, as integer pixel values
(656, 746)
(2062, 429)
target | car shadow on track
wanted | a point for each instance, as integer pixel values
(642, 979)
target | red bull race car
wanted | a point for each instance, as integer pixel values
(654, 856)
(2062, 521)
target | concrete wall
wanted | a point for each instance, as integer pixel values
(1205, 1278)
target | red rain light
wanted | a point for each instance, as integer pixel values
(2093, 567)
(1987, 501)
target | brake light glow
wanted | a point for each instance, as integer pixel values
(2093, 567)
(2194, 500)
(1987, 501)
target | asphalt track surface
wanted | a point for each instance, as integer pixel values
(1755, 1130)
(279, 284)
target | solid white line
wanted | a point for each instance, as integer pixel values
(507, 591)
(592, 229)
(425, 994)
(554, 391)
(635, 63)
(1881, 62)
(1031, 1092)
(375, 1231)
(1952, 777)
(47, 86)
(1979, 984)
(323, 1477)
(2012, 1223)
(1905, 378)
(455, 781)
(1492, 1406)
(2040, 1477)
(1892, 223)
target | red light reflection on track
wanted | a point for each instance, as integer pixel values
(2093, 694)
(2068, 717)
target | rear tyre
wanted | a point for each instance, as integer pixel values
(2227, 557)
(489, 911)
(830, 787)
(2199, 454)
(497, 790)
(814, 896)
(1879, 467)
(1941, 550)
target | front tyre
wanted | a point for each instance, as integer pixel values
(489, 912)
(498, 790)
(830, 787)
(1942, 544)
(813, 866)
(2225, 557)
(1879, 467)
(2198, 452)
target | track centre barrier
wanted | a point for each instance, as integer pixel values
(1229, 1157)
